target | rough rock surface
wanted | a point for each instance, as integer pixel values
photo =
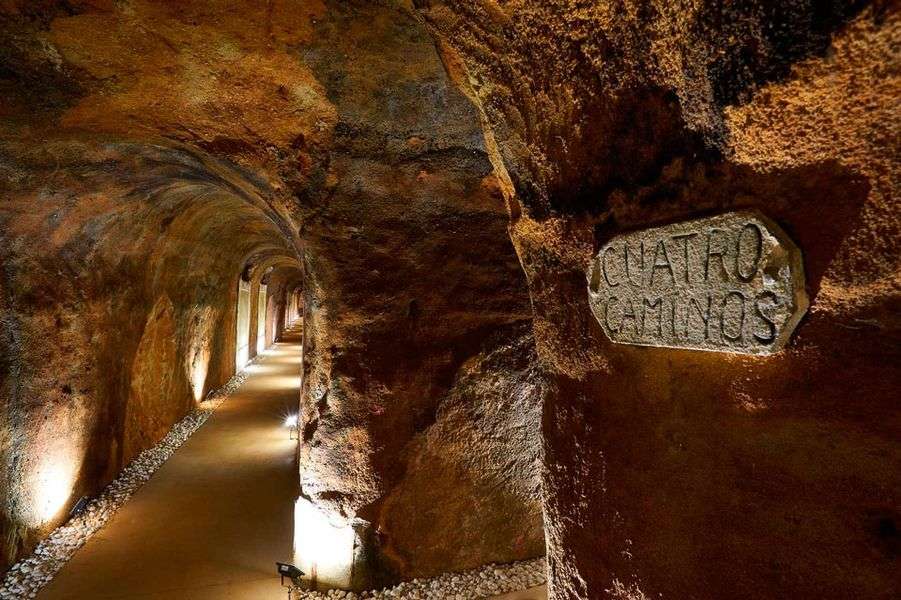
(151, 154)
(408, 270)
(474, 474)
(688, 474)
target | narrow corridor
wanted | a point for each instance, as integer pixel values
(214, 519)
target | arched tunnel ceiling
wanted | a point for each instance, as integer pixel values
(436, 175)
(265, 262)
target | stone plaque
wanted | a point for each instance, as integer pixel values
(730, 283)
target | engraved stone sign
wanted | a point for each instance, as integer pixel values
(730, 283)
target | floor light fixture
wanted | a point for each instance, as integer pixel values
(291, 424)
(292, 573)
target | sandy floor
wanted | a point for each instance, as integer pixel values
(214, 519)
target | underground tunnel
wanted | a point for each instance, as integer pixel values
(450, 299)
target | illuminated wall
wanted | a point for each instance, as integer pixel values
(261, 319)
(323, 549)
(242, 333)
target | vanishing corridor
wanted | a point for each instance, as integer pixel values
(214, 519)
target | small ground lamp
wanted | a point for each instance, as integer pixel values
(291, 572)
(79, 506)
(291, 424)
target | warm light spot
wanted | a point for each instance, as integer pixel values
(291, 421)
(57, 456)
(750, 404)
(322, 549)
(242, 324)
(199, 367)
(200, 337)
(285, 382)
(53, 487)
(261, 320)
(241, 358)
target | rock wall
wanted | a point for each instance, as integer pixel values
(676, 473)
(473, 476)
(151, 153)
(409, 269)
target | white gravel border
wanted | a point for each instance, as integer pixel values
(25, 578)
(478, 584)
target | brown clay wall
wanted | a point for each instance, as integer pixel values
(689, 474)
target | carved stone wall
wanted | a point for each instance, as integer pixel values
(671, 472)
(730, 283)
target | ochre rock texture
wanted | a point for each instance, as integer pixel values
(473, 475)
(409, 268)
(153, 154)
(378, 157)
(675, 473)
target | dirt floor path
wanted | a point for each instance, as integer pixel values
(211, 523)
